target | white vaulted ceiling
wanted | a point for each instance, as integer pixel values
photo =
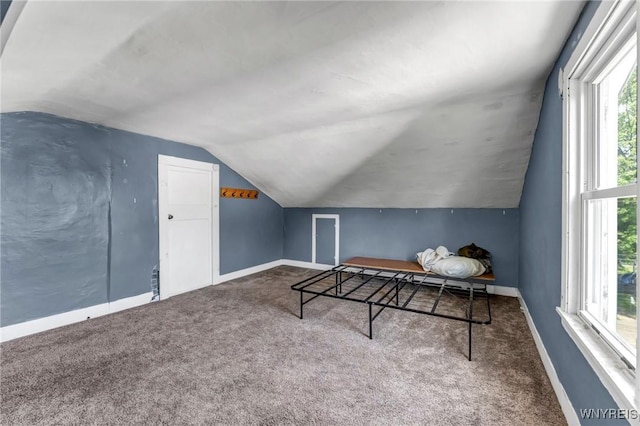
(323, 104)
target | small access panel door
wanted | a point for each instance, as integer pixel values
(325, 238)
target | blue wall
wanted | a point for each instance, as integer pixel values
(4, 8)
(540, 242)
(401, 233)
(79, 219)
(72, 234)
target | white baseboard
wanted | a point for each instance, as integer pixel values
(130, 302)
(27, 328)
(259, 268)
(248, 271)
(502, 290)
(308, 265)
(567, 408)
(42, 324)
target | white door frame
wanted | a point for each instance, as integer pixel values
(336, 217)
(163, 162)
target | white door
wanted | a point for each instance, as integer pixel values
(188, 224)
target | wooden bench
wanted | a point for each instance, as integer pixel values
(407, 266)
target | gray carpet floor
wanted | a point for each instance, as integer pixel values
(237, 353)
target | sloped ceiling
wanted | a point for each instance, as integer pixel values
(321, 104)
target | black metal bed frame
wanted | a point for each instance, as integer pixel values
(390, 286)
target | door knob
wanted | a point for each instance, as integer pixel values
(170, 216)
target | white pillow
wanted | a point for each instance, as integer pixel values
(430, 256)
(458, 267)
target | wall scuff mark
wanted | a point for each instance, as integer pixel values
(155, 283)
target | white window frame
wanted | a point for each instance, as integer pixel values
(610, 24)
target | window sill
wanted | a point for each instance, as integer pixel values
(613, 373)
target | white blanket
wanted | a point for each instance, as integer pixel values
(445, 263)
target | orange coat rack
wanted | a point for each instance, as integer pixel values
(239, 193)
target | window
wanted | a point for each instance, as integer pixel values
(608, 201)
(600, 198)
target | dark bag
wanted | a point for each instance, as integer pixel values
(475, 252)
